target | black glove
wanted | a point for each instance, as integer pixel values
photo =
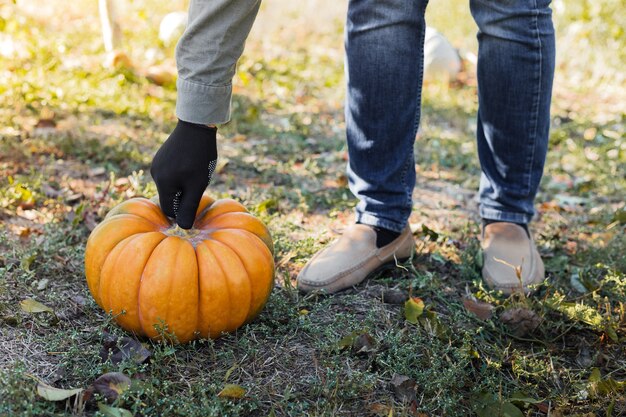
(182, 169)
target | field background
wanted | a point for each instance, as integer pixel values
(77, 138)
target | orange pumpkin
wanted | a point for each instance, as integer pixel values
(153, 276)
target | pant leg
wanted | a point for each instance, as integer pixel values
(384, 65)
(206, 56)
(516, 57)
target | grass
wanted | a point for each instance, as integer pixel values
(77, 138)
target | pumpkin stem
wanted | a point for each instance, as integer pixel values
(179, 231)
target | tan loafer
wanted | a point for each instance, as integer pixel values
(507, 246)
(351, 258)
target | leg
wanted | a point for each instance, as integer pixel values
(384, 65)
(384, 60)
(206, 57)
(515, 71)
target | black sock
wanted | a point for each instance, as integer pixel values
(383, 236)
(523, 225)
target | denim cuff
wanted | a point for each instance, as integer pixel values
(370, 220)
(493, 214)
(203, 104)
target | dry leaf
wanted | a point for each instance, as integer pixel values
(403, 388)
(232, 391)
(364, 343)
(382, 410)
(55, 394)
(111, 385)
(520, 321)
(393, 296)
(124, 348)
(32, 306)
(480, 309)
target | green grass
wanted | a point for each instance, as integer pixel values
(283, 156)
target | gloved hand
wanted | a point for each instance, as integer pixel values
(182, 169)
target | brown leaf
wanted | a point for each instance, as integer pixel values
(124, 348)
(394, 296)
(480, 309)
(403, 388)
(45, 124)
(364, 343)
(111, 385)
(382, 410)
(161, 74)
(520, 321)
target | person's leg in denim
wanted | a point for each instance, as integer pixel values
(516, 58)
(515, 71)
(384, 43)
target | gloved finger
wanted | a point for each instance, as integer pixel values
(167, 198)
(186, 214)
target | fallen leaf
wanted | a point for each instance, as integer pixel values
(27, 261)
(403, 388)
(45, 124)
(111, 385)
(348, 341)
(413, 308)
(20, 231)
(520, 321)
(232, 391)
(32, 306)
(364, 343)
(394, 296)
(433, 326)
(520, 397)
(55, 394)
(382, 410)
(122, 349)
(267, 206)
(480, 309)
(487, 405)
(109, 411)
(599, 386)
(161, 74)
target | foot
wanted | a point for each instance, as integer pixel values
(351, 258)
(509, 251)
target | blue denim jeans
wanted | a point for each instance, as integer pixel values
(384, 66)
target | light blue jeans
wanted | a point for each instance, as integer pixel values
(384, 65)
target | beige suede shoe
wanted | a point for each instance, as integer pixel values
(506, 246)
(350, 259)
